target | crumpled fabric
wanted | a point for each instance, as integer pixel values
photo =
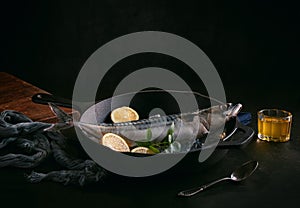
(25, 144)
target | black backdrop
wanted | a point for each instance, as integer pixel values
(253, 44)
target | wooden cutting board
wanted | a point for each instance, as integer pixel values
(15, 94)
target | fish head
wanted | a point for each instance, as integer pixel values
(233, 110)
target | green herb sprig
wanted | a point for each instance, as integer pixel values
(158, 147)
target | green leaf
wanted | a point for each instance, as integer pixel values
(171, 129)
(155, 150)
(148, 134)
(170, 138)
(174, 147)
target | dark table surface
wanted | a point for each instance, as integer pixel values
(275, 183)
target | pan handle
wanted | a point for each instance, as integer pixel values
(241, 137)
(43, 98)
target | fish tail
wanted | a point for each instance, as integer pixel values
(65, 121)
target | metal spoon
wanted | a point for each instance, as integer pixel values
(241, 173)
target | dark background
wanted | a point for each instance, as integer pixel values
(253, 45)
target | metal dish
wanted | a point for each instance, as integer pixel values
(237, 135)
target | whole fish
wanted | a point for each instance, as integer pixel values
(186, 126)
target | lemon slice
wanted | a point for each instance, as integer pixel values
(115, 142)
(124, 114)
(143, 150)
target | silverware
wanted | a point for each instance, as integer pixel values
(241, 173)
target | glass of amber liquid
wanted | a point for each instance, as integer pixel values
(274, 125)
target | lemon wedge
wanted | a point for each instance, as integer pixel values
(124, 114)
(115, 142)
(143, 150)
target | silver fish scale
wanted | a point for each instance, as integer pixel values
(146, 123)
